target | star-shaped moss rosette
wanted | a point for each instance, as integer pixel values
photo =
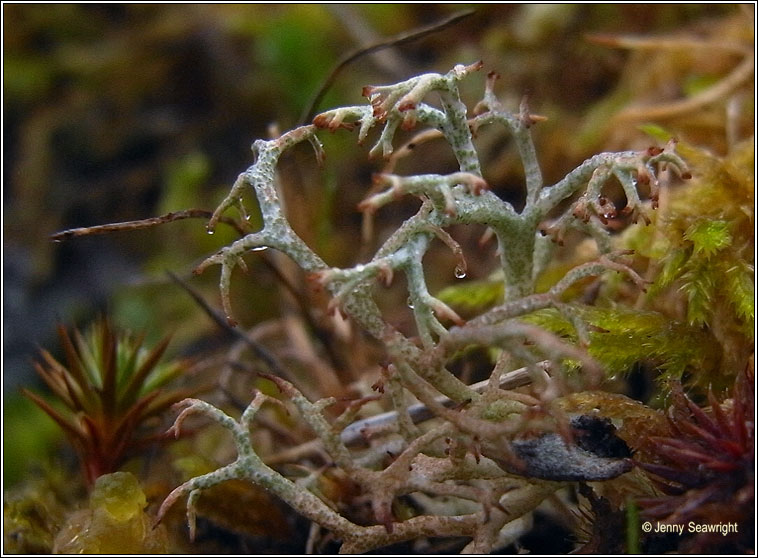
(109, 387)
(705, 469)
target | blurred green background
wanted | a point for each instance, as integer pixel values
(118, 112)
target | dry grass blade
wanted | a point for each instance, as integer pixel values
(741, 74)
(633, 42)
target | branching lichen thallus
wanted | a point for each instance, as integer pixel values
(483, 423)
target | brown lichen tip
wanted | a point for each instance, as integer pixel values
(386, 274)
(408, 123)
(282, 385)
(474, 67)
(477, 185)
(331, 122)
(317, 279)
(406, 105)
(321, 120)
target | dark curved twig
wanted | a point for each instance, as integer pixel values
(397, 40)
(143, 224)
(259, 350)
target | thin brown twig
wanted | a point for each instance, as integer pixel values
(397, 40)
(199, 214)
(259, 350)
(304, 305)
(143, 224)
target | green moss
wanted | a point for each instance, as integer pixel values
(619, 338)
(709, 237)
(710, 231)
(32, 514)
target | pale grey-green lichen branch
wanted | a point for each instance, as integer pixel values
(450, 458)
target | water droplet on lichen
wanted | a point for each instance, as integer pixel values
(259, 249)
(410, 303)
(460, 273)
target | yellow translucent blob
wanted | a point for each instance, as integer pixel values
(114, 523)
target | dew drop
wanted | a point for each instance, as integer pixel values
(259, 249)
(410, 303)
(210, 231)
(460, 273)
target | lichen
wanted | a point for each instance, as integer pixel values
(486, 425)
